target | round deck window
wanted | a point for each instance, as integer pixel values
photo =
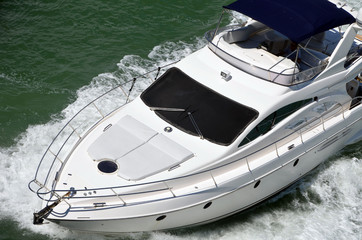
(107, 166)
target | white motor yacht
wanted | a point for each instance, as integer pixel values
(232, 124)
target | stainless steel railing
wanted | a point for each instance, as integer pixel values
(287, 79)
(78, 126)
(168, 188)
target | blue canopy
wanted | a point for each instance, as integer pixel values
(296, 19)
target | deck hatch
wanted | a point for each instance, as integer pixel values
(107, 166)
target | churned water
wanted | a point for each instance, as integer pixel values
(55, 56)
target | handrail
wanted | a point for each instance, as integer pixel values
(113, 191)
(265, 74)
(62, 130)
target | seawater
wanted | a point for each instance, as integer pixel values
(56, 56)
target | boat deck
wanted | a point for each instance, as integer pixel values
(264, 50)
(267, 54)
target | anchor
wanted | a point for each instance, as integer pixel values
(38, 217)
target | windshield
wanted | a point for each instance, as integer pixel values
(193, 108)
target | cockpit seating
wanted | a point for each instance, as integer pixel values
(244, 33)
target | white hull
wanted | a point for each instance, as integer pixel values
(241, 198)
(227, 127)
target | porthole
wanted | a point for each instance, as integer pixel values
(257, 184)
(107, 166)
(207, 205)
(296, 162)
(160, 218)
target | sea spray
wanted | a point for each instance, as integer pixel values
(326, 204)
(19, 162)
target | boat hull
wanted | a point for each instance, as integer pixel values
(214, 204)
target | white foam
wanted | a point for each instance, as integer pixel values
(18, 163)
(324, 205)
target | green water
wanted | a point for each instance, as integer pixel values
(54, 54)
(49, 49)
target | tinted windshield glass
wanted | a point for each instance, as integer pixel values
(196, 109)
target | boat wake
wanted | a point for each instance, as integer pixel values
(19, 162)
(326, 204)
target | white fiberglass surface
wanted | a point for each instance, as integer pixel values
(324, 205)
(257, 56)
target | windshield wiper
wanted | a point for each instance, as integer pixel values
(195, 125)
(167, 109)
(180, 110)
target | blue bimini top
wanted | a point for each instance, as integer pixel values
(296, 19)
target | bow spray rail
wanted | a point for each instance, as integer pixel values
(77, 127)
